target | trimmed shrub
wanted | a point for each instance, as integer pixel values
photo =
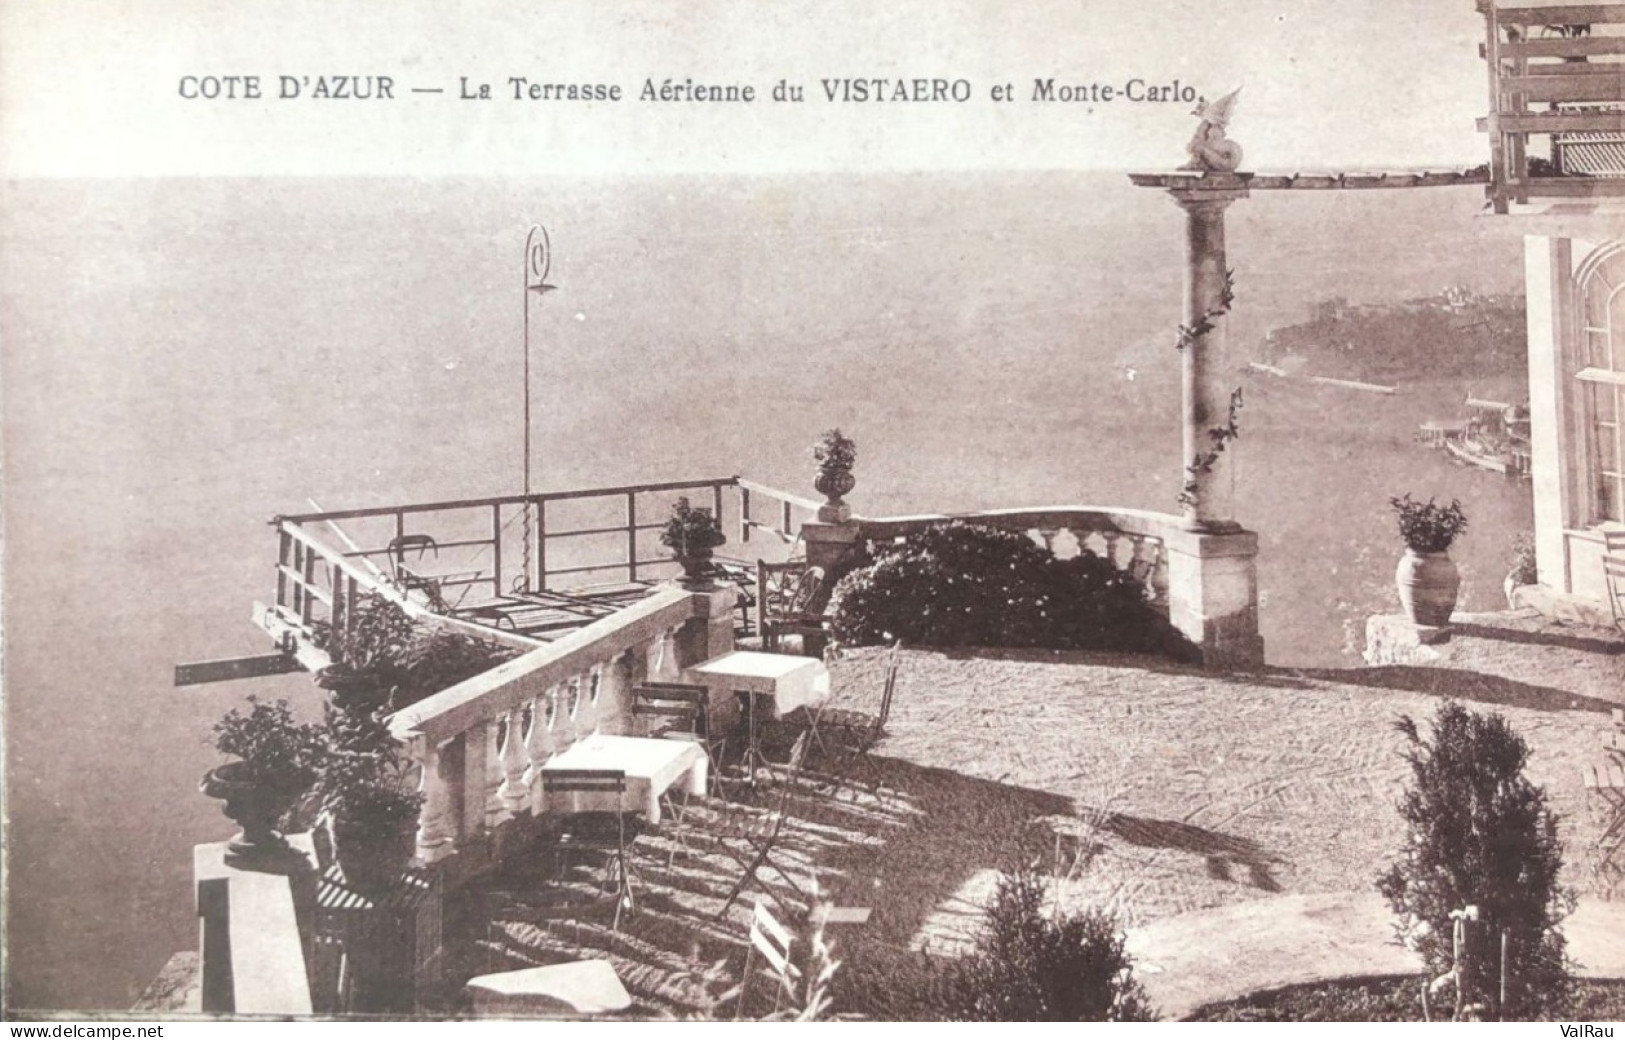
(1478, 833)
(966, 585)
(1031, 967)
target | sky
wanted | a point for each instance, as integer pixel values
(93, 87)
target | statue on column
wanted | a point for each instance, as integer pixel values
(1209, 149)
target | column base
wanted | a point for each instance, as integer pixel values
(1213, 595)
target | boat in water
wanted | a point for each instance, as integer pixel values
(1493, 436)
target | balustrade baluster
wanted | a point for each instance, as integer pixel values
(436, 838)
(535, 754)
(1111, 538)
(495, 813)
(1046, 537)
(513, 794)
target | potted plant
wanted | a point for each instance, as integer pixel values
(1427, 578)
(691, 534)
(835, 454)
(1523, 571)
(277, 760)
(372, 811)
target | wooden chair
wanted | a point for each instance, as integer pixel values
(785, 593)
(773, 941)
(602, 833)
(749, 834)
(1613, 570)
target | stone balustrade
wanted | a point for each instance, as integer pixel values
(480, 745)
(1132, 540)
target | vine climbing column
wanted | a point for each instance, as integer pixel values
(1210, 404)
(1212, 573)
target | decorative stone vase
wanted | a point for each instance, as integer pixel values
(834, 484)
(697, 567)
(1428, 585)
(372, 862)
(253, 806)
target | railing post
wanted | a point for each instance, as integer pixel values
(538, 577)
(1492, 57)
(631, 536)
(496, 550)
(744, 514)
(284, 553)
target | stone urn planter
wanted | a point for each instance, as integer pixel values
(697, 565)
(692, 534)
(255, 807)
(835, 454)
(834, 485)
(1428, 586)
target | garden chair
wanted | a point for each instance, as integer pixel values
(750, 834)
(784, 597)
(603, 834)
(773, 941)
(1613, 571)
(853, 732)
(677, 711)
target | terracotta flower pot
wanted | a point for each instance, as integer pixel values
(253, 806)
(1428, 585)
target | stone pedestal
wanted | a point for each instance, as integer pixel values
(1396, 639)
(829, 544)
(1213, 595)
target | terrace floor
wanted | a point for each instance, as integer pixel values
(1153, 789)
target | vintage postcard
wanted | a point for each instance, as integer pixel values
(978, 511)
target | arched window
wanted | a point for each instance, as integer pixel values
(1602, 383)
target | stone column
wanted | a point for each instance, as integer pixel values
(1205, 393)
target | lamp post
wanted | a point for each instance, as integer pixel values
(538, 261)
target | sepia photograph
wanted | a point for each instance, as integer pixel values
(1053, 511)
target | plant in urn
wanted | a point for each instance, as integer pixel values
(277, 762)
(1427, 578)
(835, 455)
(691, 534)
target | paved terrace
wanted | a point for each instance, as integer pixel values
(1153, 789)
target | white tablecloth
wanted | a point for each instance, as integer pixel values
(785, 681)
(651, 767)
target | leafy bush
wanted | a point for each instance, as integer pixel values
(1479, 834)
(1029, 967)
(966, 585)
(275, 751)
(1524, 570)
(385, 659)
(1427, 527)
(835, 450)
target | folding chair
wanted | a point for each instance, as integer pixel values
(755, 832)
(1613, 572)
(856, 732)
(685, 709)
(603, 832)
(676, 711)
(773, 941)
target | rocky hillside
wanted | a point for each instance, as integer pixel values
(1455, 334)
